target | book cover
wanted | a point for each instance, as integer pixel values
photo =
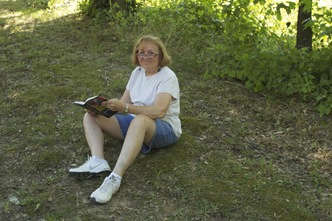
(94, 104)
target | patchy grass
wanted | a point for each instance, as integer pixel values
(242, 156)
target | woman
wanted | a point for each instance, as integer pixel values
(149, 116)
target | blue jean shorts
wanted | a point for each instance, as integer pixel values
(163, 137)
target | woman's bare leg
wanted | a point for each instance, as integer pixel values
(94, 129)
(141, 129)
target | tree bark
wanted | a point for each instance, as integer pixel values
(304, 34)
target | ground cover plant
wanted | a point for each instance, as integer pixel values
(242, 155)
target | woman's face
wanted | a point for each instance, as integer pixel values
(148, 56)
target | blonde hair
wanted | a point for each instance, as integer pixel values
(164, 58)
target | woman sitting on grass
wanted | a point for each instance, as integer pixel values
(148, 116)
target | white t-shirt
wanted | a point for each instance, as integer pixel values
(143, 90)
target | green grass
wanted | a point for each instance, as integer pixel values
(242, 156)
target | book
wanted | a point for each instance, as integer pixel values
(94, 104)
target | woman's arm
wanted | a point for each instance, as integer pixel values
(157, 110)
(126, 97)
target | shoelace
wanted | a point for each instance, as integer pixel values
(107, 185)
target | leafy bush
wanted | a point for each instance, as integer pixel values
(42, 4)
(247, 50)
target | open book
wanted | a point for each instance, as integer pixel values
(94, 104)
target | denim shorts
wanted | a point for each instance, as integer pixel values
(163, 137)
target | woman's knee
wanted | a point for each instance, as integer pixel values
(141, 120)
(90, 119)
(87, 118)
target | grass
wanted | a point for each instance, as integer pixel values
(242, 156)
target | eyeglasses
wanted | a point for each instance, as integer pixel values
(148, 55)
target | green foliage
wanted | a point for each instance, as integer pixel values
(91, 8)
(46, 4)
(265, 61)
(42, 4)
(84, 6)
(99, 8)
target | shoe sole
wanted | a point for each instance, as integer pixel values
(93, 200)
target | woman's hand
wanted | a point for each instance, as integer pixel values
(115, 105)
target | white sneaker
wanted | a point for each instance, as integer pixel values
(91, 167)
(104, 193)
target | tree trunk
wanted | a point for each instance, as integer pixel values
(304, 34)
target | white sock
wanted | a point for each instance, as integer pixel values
(116, 176)
(97, 159)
